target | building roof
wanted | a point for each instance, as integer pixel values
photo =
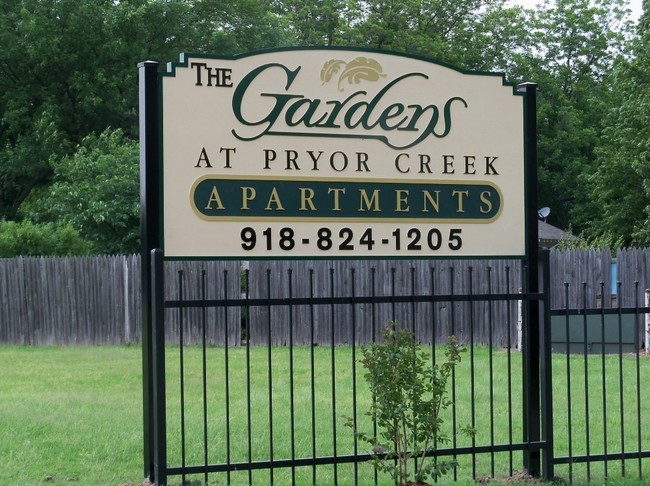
(549, 235)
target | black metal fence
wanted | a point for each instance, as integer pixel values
(262, 413)
(600, 423)
(265, 396)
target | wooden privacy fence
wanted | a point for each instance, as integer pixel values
(83, 300)
(408, 292)
(96, 300)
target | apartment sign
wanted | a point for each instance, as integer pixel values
(334, 153)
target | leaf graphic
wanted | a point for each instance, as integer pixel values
(359, 69)
(330, 68)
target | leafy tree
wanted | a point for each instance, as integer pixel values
(64, 73)
(29, 239)
(95, 191)
(236, 26)
(472, 34)
(575, 45)
(320, 23)
(621, 185)
(462, 33)
(68, 70)
(505, 41)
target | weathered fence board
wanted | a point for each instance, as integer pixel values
(205, 281)
(70, 300)
(392, 280)
(97, 300)
(633, 272)
(586, 272)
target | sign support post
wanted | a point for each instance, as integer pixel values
(149, 236)
(531, 341)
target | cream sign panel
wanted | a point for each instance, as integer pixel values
(330, 153)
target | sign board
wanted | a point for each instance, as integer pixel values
(331, 153)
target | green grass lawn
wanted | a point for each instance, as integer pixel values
(70, 415)
(73, 415)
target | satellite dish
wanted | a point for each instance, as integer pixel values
(543, 213)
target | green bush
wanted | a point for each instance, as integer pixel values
(97, 192)
(29, 239)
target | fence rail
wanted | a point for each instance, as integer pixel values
(96, 300)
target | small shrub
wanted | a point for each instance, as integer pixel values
(29, 239)
(408, 397)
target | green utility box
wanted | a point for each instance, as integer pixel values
(597, 338)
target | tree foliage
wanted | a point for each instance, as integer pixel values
(68, 71)
(96, 191)
(574, 46)
(621, 183)
(29, 239)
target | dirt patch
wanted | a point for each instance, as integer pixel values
(146, 482)
(518, 477)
